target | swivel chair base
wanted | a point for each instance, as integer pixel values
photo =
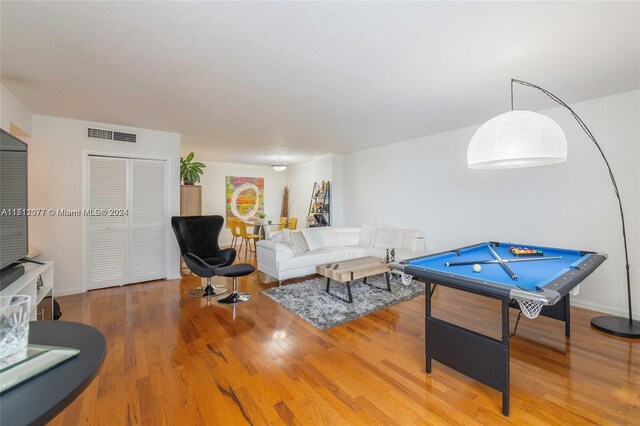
(235, 271)
(208, 291)
(235, 298)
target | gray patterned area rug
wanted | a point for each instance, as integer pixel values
(309, 301)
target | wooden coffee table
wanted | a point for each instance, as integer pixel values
(347, 271)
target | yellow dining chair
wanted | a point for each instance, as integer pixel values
(293, 223)
(283, 223)
(233, 227)
(246, 237)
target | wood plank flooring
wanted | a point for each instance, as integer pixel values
(176, 360)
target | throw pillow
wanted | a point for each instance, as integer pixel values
(282, 237)
(291, 240)
(388, 238)
(299, 243)
(329, 237)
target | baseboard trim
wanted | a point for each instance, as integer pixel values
(599, 309)
(58, 293)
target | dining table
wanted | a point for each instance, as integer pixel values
(263, 227)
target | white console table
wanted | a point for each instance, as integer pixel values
(41, 298)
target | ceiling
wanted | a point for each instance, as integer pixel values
(245, 82)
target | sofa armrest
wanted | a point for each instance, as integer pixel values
(413, 240)
(275, 251)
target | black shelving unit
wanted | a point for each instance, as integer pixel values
(320, 205)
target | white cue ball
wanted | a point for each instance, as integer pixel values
(477, 267)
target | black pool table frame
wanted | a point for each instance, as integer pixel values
(481, 357)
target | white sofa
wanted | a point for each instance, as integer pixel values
(329, 245)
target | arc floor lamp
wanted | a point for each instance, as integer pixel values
(526, 139)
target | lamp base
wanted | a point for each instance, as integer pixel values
(618, 326)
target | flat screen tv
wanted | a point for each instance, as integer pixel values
(13, 200)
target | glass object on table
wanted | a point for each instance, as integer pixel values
(14, 328)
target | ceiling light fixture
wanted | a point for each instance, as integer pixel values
(279, 165)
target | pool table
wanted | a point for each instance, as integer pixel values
(545, 282)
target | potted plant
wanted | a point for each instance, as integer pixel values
(190, 171)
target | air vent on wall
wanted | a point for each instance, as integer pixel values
(111, 135)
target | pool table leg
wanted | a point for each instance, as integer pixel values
(567, 316)
(428, 315)
(505, 342)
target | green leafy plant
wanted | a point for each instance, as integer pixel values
(190, 171)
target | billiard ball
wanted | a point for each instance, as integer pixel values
(477, 267)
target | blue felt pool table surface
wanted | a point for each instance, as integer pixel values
(530, 274)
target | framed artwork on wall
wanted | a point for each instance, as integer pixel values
(245, 197)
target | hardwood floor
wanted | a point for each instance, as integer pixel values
(172, 359)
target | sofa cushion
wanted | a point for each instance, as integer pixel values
(313, 238)
(388, 238)
(337, 254)
(329, 236)
(304, 259)
(347, 236)
(366, 235)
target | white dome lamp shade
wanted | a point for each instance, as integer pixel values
(525, 139)
(517, 139)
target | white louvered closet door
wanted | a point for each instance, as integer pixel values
(147, 220)
(108, 239)
(13, 195)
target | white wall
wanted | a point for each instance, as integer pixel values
(14, 111)
(300, 179)
(425, 184)
(338, 184)
(56, 157)
(214, 196)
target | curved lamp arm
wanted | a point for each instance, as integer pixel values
(613, 182)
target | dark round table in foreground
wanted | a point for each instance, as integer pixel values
(43, 397)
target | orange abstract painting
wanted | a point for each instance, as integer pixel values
(245, 197)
